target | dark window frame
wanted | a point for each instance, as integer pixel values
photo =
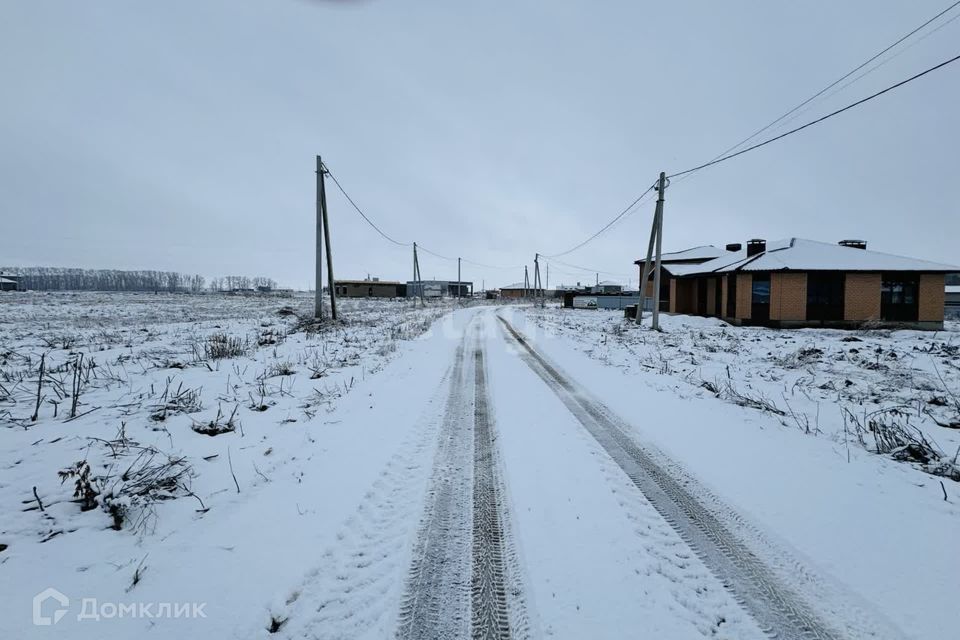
(826, 295)
(760, 307)
(900, 296)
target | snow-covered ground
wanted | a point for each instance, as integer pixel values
(150, 385)
(791, 463)
(441, 472)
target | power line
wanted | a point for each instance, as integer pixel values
(817, 121)
(434, 253)
(394, 240)
(606, 226)
(873, 68)
(587, 269)
(842, 78)
(362, 214)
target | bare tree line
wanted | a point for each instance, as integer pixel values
(69, 279)
(229, 283)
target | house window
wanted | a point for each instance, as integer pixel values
(898, 297)
(825, 296)
(761, 289)
(760, 297)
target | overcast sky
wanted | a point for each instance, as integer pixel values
(181, 135)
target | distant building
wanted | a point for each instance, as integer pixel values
(10, 283)
(607, 286)
(517, 290)
(797, 283)
(439, 289)
(369, 288)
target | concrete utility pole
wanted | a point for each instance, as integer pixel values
(656, 232)
(458, 278)
(318, 276)
(326, 238)
(645, 276)
(537, 283)
(417, 283)
(656, 274)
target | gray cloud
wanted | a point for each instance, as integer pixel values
(181, 135)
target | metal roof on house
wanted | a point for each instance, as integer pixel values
(369, 282)
(517, 285)
(706, 252)
(798, 254)
(7, 280)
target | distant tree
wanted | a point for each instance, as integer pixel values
(67, 279)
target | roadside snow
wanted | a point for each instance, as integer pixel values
(876, 526)
(148, 381)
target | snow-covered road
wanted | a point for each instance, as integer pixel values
(544, 515)
(489, 480)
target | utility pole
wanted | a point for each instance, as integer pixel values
(526, 282)
(417, 283)
(326, 238)
(656, 274)
(458, 279)
(318, 276)
(647, 265)
(656, 233)
(537, 283)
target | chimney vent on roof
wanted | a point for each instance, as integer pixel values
(734, 246)
(853, 244)
(756, 246)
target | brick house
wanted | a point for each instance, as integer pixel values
(693, 256)
(800, 283)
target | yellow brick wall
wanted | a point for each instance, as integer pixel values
(862, 297)
(744, 295)
(931, 296)
(788, 296)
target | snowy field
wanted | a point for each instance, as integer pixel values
(186, 407)
(892, 392)
(215, 467)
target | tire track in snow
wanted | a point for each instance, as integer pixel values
(780, 611)
(436, 602)
(463, 580)
(489, 598)
(354, 589)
